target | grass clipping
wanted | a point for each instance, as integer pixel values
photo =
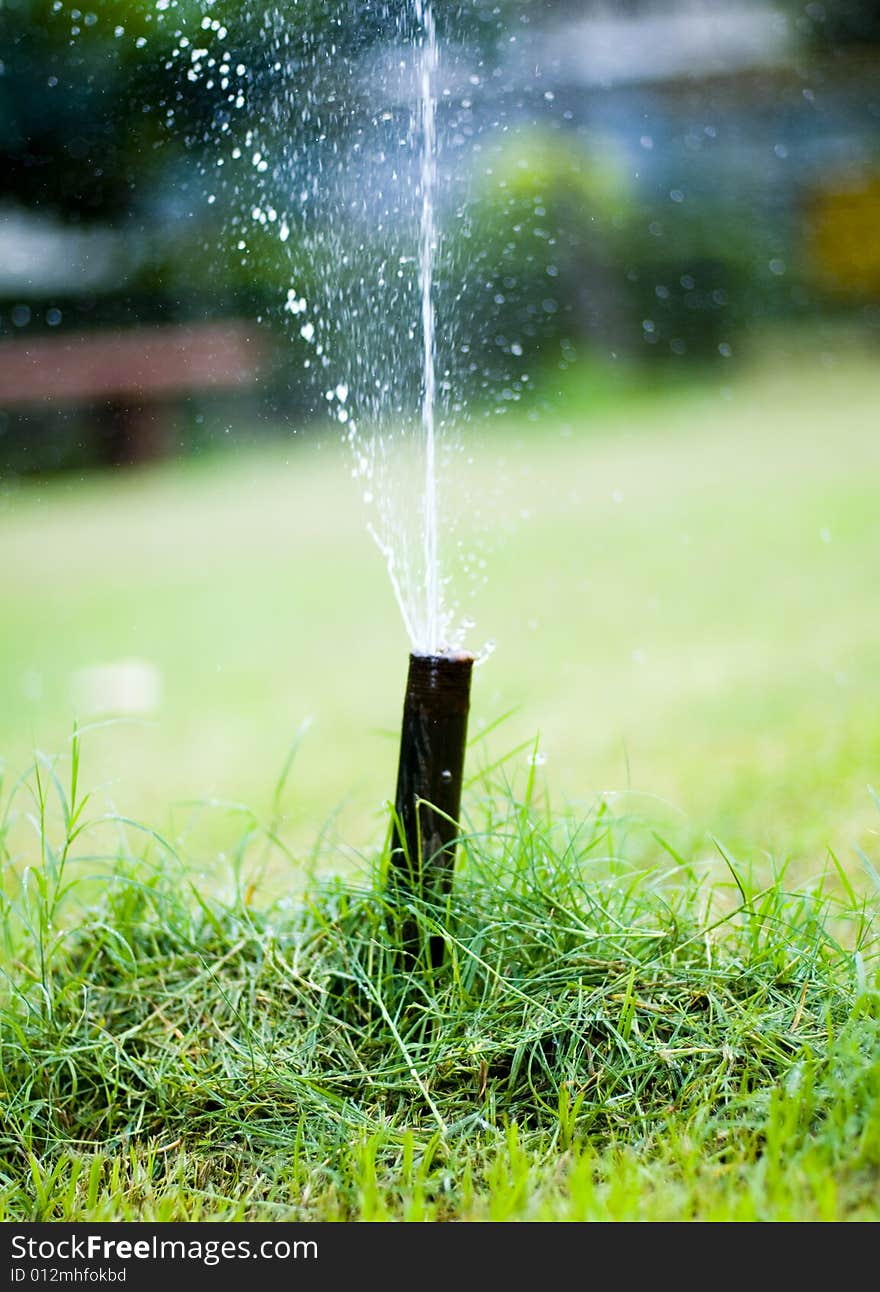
(585, 998)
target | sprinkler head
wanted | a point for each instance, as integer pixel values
(428, 798)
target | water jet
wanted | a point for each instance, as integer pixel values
(428, 797)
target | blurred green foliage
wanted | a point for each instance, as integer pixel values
(557, 251)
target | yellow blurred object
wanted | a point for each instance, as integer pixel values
(843, 235)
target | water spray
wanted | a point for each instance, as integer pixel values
(428, 798)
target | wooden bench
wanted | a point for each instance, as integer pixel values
(130, 378)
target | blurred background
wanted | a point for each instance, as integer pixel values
(667, 380)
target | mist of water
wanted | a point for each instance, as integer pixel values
(343, 149)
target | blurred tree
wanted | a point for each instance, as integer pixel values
(148, 120)
(542, 241)
(103, 119)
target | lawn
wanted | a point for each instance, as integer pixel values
(660, 996)
(683, 591)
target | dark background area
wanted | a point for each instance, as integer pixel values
(700, 198)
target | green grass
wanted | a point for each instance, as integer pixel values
(661, 991)
(604, 1041)
(688, 616)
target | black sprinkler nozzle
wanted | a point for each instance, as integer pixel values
(428, 798)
